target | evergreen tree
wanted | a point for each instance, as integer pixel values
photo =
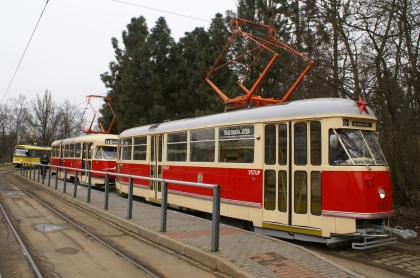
(128, 78)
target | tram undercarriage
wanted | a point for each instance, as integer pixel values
(369, 236)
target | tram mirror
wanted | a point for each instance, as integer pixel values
(333, 141)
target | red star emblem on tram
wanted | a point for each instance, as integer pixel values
(362, 105)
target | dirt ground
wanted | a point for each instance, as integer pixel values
(408, 219)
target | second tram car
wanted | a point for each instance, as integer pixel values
(309, 170)
(90, 152)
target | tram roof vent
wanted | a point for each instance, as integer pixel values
(154, 126)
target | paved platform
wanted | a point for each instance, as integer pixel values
(241, 253)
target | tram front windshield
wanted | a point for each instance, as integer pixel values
(105, 152)
(20, 152)
(354, 147)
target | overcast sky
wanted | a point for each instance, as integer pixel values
(71, 46)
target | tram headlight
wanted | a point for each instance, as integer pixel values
(381, 193)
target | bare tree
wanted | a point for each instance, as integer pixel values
(7, 141)
(18, 111)
(70, 120)
(43, 121)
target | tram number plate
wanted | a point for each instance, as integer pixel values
(382, 205)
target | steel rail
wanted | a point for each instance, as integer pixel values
(90, 234)
(22, 244)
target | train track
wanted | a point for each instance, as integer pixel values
(123, 252)
(74, 224)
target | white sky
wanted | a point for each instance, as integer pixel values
(72, 44)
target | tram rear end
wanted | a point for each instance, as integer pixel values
(358, 186)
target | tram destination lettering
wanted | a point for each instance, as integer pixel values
(236, 131)
(362, 124)
(111, 141)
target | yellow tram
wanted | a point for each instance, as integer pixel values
(29, 153)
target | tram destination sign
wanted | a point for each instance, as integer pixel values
(111, 141)
(236, 132)
(362, 124)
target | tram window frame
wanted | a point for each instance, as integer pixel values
(282, 194)
(127, 148)
(316, 193)
(176, 147)
(202, 145)
(66, 150)
(270, 145)
(234, 144)
(71, 150)
(303, 190)
(78, 150)
(316, 143)
(139, 148)
(300, 143)
(270, 190)
(282, 144)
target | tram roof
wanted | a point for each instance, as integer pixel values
(85, 138)
(287, 110)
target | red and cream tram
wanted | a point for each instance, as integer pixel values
(90, 152)
(310, 170)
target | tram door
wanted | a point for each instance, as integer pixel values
(292, 162)
(305, 174)
(276, 164)
(86, 160)
(156, 145)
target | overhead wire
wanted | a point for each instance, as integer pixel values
(163, 11)
(11, 81)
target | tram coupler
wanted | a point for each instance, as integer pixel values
(398, 231)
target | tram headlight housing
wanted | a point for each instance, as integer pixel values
(381, 193)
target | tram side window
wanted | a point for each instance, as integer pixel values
(316, 193)
(315, 143)
(66, 150)
(127, 144)
(282, 191)
(140, 148)
(269, 189)
(77, 150)
(71, 150)
(177, 147)
(300, 144)
(202, 145)
(282, 144)
(236, 144)
(300, 192)
(270, 145)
